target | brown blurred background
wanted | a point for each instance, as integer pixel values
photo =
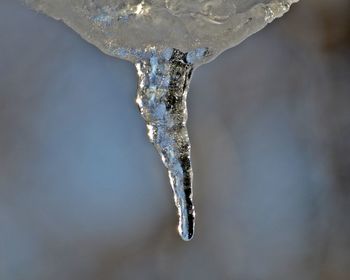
(83, 195)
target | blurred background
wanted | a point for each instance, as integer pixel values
(83, 194)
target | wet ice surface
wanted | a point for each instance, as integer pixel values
(166, 40)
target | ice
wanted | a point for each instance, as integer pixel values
(118, 27)
(166, 40)
(161, 97)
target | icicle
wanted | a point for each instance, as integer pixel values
(144, 33)
(161, 97)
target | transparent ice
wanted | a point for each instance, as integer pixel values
(166, 40)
